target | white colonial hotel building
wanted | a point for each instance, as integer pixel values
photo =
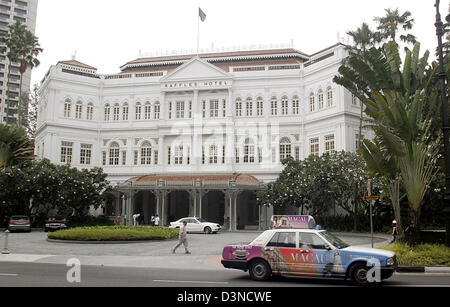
(186, 135)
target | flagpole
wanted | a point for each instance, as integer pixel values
(198, 33)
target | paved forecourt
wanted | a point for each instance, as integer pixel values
(206, 250)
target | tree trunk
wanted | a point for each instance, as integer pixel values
(413, 232)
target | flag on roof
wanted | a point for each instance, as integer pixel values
(201, 14)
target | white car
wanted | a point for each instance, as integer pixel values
(197, 224)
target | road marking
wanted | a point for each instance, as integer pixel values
(12, 275)
(191, 282)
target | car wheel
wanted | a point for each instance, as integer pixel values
(260, 270)
(207, 230)
(358, 274)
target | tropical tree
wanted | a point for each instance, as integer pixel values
(28, 49)
(401, 101)
(19, 45)
(320, 185)
(363, 38)
(16, 148)
(390, 24)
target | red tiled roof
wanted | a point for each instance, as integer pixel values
(243, 179)
(216, 55)
(77, 63)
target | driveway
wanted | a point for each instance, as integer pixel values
(206, 250)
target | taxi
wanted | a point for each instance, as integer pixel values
(307, 252)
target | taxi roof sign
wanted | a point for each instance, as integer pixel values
(293, 222)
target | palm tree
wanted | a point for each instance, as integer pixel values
(389, 25)
(28, 51)
(403, 130)
(363, 39)
(401, 103)
(15, 146)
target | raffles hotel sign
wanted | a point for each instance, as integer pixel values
(196, 85)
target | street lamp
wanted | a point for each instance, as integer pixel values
(445, 126)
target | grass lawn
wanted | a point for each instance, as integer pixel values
(114, 233)
(421, 255)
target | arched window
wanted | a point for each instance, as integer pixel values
(284, 105)
(249, 151)
(116, 112)
(114, 151)
(146, 153)
(259, 106)
(157, 111)
(67, 108)
(147, 111)
(285, 148)
(312, 102)
(320, 99)
(79, 110)
(107, 112)
(125, 111)
(274, 105)
(295, 105)
(90, 111)
(138, 111)
(330, 97)
(249, 106)
(238, 107)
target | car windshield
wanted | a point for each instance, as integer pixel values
(201, 220)
(19, 218)
(335, 241)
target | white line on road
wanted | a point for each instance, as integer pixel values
(191, 282)
(12, 275)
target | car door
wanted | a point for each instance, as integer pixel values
(193, 225)
(319, 256)
(278, 251)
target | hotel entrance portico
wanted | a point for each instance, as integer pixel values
(229, 200)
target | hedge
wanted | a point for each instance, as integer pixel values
(420, 255)
(114, 233)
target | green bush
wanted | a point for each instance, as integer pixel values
(115, 233)
(420, 255)
(84, 221)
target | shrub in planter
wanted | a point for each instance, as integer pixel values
(115, 233)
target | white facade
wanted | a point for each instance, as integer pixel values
(197, 115)
(11, 11)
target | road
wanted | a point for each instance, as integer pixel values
(55, 275)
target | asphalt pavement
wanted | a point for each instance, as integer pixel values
(206, 250)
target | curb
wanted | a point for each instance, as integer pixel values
(423, 269)
(104, 242)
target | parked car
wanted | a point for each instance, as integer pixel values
(196, 224)
(19, 222)
(310, 253)
(54, 224)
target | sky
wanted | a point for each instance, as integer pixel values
(107, 34)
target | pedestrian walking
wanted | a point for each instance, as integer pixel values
(157, 220)
(118, 219)
(394, 232)
(182, 239)
(152, 221)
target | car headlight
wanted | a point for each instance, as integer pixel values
(390, 261)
